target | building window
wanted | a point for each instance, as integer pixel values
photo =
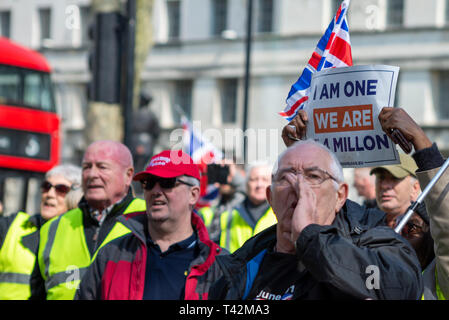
(174, 18)
(446, 13)
(443, 105)
(335, 5)
(182, 101)
(5, 24)
(44, 24)
(86, 18)
(219, 16)
(228, 100)
(264, 15)
(395, 13)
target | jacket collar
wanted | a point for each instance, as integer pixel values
(354, 219)
(116, 210)
(37, 220)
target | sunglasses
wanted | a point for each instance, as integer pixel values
(59, 188)
(165, 183)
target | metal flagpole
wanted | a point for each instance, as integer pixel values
(421, 197)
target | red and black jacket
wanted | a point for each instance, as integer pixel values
(118, 271)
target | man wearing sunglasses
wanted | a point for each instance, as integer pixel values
(323, 246)
(167, 253)
(69, 242)
(19, 233)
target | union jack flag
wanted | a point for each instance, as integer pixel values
(202, 153)
(332, 51)
(199, 149)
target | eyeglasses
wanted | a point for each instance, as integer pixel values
(62, 189)
(313, 176)
(165, 183)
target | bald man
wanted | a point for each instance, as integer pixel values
(69, 242)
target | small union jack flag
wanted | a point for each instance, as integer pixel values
(332, 51)
(198, 148)
(202, 153)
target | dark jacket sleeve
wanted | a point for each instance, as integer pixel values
(5, 223)
(90, 285)
(218, 289)
(380, 264)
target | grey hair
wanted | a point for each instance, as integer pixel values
(73, 174)
(413, 180)
(194, 181)
(256, 164)
(335, 167)
(68, 171)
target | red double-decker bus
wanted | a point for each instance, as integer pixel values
(29, 125)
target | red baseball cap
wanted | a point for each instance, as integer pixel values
(170, 164)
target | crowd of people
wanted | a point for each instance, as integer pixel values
(281, 233)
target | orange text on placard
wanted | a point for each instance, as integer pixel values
(341, 119)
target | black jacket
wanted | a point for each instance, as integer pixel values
(336, 258)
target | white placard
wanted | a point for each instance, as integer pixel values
(343, 110)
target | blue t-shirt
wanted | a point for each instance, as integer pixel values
(166, 272)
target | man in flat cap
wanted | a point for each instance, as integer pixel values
(397, 187)
(165, 252)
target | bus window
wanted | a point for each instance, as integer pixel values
(37, 91)
(47, 102)
(32, 89)
(9, 85)
(27, 88)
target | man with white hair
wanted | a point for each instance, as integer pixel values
(69, 242)
(252, 215)
(324, 246)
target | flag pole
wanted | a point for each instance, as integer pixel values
(181, 112)
(421, 197)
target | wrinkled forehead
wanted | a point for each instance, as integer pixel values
(305, 156)
(107, 152)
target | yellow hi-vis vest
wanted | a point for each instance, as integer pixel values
(63, 253)
(207, 214)
(235, 230)
(432, 289)
(16, 261)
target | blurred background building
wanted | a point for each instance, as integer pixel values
(197, 61)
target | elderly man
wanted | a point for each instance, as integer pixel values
(239, 222)
(166, 252)
(323, 246)
(428, 160)
(396, 188)
(68, 242)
